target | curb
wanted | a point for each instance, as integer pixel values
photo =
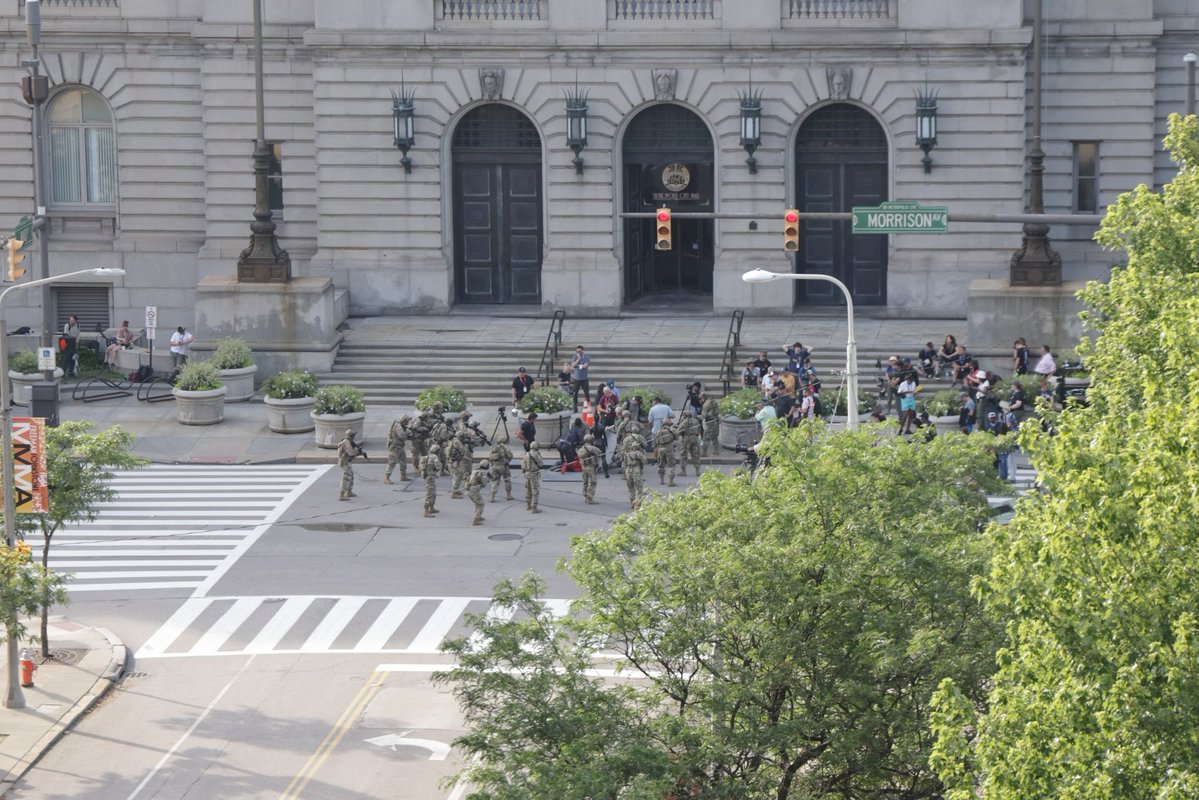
(103, 684)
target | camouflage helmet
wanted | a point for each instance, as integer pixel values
(405, 419)
(465, 415)
(350, 433)
(435, 448)
(438, 407)
(460, 434)
(634, 427)
(686, 412)
(425, 412)
(535, 445)
(589, 438)
(484, 464)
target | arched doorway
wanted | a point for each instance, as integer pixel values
(668, 161)
(498, 227)
(840, 162)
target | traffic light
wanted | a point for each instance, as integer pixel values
(15, 257)
(791, 230)
(663, 240)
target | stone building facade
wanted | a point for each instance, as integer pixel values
(151, 122)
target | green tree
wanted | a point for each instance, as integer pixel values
(80, 468)
(24, 587)
(1097, 691)
(780, 637)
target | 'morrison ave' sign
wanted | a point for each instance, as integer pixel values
(900, 216)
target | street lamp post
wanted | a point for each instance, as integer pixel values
(15, 697)
(1189, 105)
(851, 344)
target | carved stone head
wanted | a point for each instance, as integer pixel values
(664, 83)
(840, 81)
(491, 83)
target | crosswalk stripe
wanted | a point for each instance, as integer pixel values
(269, 637)
(129, 562)
(340, 617)
(327, 631)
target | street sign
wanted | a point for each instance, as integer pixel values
(24, 232)
(150, 332)
(151, 317)
(45, 359)
(900, 216)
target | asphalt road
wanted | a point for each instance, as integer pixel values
(283, 640)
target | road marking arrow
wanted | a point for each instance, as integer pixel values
(437, 750)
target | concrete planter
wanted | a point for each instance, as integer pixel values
(331, 428)
(735, 431)
(947, 424)
(551, 426)
(200, 408)
(22, 385)
(239, 382)
(289, 415)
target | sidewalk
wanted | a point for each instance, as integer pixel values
(91, 660)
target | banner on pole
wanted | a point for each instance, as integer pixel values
(31, 491)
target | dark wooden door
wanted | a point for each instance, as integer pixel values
(841, 162)
(638, 236)
(498, 236)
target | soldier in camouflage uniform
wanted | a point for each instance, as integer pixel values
(622, 424)
(347, 449)
(430, 468)
(419, 440)
(689, 431)
(664, 450)
(709, 415)
(633, 453)
(500, 458)
(459, 457)
(397, 435)
(474, 489)
(531, 466)
(590, 456)
(441, 434)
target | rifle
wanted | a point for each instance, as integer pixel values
(474, 426)
(358, 451)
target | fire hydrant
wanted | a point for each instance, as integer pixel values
(27, 668)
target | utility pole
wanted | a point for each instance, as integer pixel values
(36, 88)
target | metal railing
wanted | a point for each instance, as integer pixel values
(728, 364)
(549, 355)
(837, 9)
(491, 10)
(664, 9)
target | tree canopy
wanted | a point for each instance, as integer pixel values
(1097, 691)
(779, 637)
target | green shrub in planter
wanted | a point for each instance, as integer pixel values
(291, 385)
(232, 353)
(198, 376)
(742, 404)
(24, 362)
(945, 403)
(866, 401)
(648, 394)
(337, 400)
(545, 400)
(451, 398)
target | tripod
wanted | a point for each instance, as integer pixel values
(503, 420)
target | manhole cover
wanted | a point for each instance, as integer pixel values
(505, 537)
(65, 655)
(336, 527)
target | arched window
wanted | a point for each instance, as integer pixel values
(82, 149)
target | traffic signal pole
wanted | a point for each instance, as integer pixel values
(36, 89)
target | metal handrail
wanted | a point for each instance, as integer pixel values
(728, 363)
(549, 355)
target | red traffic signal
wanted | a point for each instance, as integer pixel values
(791, 230)
(663, 239)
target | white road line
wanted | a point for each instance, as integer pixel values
(438, 625)
(129, 562)
(172, 573)
(386, 623)
(327, 631)
(189, 505)
(124, 587)
(278, 626)
(226, 626)
(494, 614)
(170, 630)
(248, 542)
(558, 608)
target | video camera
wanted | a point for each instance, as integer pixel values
(504, 412)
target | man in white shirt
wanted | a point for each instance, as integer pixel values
(1046, 366)
(180, 339)
(766, 415)
(658, 413)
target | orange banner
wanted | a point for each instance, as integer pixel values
(30, 482)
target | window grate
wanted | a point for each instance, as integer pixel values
(841, 127)
(496, 126)
(668, 127)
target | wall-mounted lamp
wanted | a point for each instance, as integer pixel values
(751, 124)
(403, 116)
(926, 124)
(576, 124)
